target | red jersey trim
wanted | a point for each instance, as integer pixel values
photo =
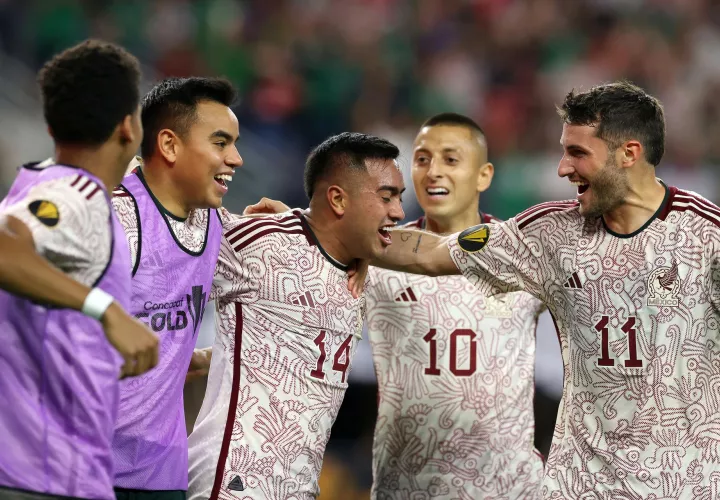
(249, 231)
(232, 409)
(683, 201)
(538, 211)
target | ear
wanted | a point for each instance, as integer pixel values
(127, 129)
(337, 199)
(168, 145)
(485, 175)
(631, 153)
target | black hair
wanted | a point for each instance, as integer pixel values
(88, 90)
(172, 104)
(346, 150)
(454, 119)
(621, 111)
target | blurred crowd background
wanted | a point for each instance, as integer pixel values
(307, 69)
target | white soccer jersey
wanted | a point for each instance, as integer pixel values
(68, 218)
(637, 317)
(287, 328)
(455, 374)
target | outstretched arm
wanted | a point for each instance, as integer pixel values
(418, 252)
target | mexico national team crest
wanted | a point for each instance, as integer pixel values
(474, 238)
(663, 286)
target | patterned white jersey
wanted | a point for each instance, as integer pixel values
(637, 317)
(68, 218)
(287, 328)
(456, 380)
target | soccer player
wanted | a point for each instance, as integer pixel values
(287, 325)
(455, 370)
(167, 207)
(631, 274)
(64, 277)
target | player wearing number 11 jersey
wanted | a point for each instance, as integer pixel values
(455, 369)
(287, 326)
(631, 274)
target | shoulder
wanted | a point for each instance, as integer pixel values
(242, 231)
(551, 211)
(685, 204)
(73, 194)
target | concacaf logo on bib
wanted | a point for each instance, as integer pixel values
(663, 285)
(473, 239)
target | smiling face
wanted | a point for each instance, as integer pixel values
(207, 156)
(447, 170)
(374, 206)
(602, 185)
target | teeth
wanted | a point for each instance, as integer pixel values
(578, 183)
(224, 177)
(437, 191)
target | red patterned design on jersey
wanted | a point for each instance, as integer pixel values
(456, 381)
(287, 328)
(640, 339)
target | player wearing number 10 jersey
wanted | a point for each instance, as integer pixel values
(455, 369)
(631, 274)
(287, 326)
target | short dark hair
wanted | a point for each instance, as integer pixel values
(346, 150)
(87, 90)
(453, 119)
(172, 104)
(621, 111)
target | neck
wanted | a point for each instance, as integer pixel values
(327, 233)
(164, 188)
(639, 205)
(98, 161)
(454, 224)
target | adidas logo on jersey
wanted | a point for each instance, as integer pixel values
(406, 295)
(304, 299)
(573, 282)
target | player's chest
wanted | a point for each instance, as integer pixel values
(649, 271)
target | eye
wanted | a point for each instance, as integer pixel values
(386, 199)
(421, 160)
(452, 161)
(221, 144)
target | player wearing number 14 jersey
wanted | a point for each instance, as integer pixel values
(631, 274)
(287, 326)
(455, 369)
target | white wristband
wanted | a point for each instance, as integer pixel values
(96, 303)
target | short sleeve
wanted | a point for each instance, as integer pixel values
(498, 258)
(69, 220)
(126, 211)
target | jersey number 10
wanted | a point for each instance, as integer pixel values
(454, 336)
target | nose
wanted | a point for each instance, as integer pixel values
(396, 212)
(434, 171)
(565, 167)
(234, 159)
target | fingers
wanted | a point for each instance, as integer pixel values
(266, 206)
(145, 355)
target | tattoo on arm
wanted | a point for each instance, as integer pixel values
(405, 236)
(415, 250)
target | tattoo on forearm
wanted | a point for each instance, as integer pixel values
(415, 250)
(405, 236)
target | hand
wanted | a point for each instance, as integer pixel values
(133, 340)
(266, 206)
(356, 277)
(199, 364)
